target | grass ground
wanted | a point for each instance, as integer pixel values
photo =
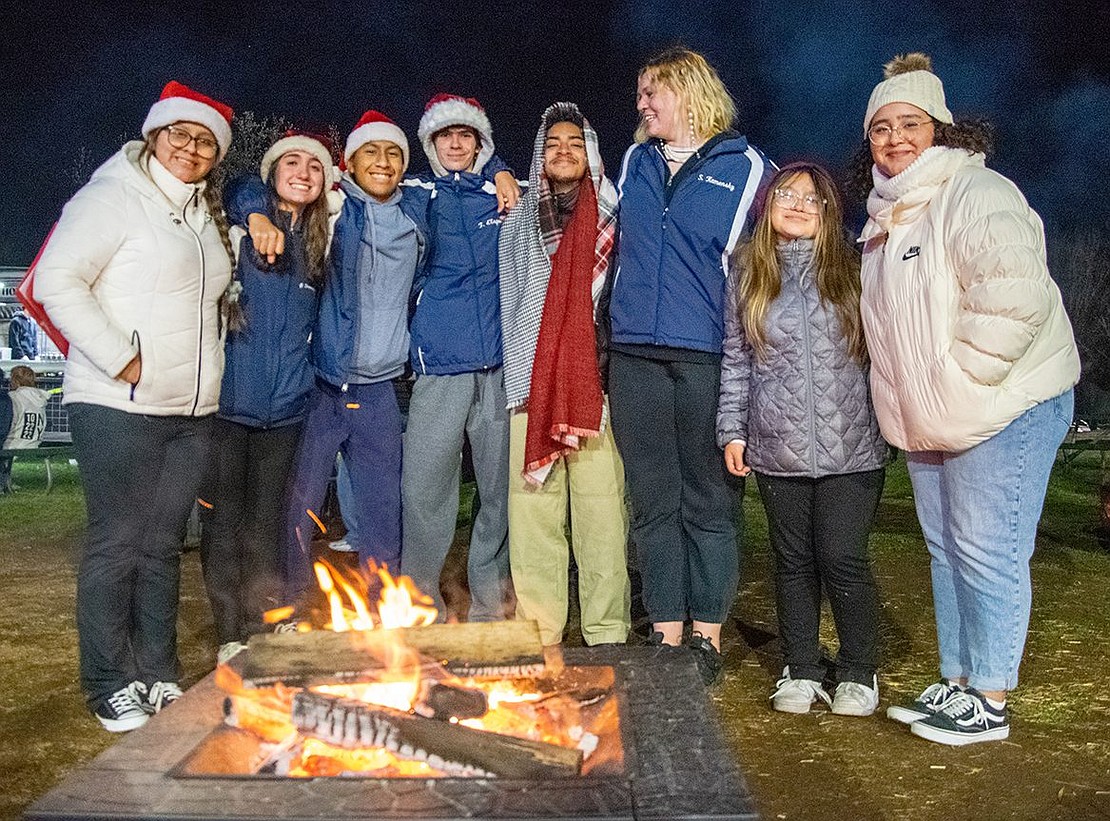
(1056, 765)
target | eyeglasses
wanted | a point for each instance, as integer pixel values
(882, 133)
(789, 198)
(205, 147)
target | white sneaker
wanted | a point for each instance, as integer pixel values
(229, 650)
(342, 546)
(854, 699)
(796, 695)
(932, 699)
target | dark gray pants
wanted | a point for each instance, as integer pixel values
(818, 530)
(685, 504)
(241, 544)
(140, 475)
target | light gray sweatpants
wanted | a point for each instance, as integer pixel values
(443, 410)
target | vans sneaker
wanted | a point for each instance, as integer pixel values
(796, 695)
(933, 698)
(854, 699)
(967, 718)
(162, 694)
(121, 711)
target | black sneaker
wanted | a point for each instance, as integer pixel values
(161, 695)
(709, 660)
(930, 701)
(121, 711)
(655, 639)
(967, 718)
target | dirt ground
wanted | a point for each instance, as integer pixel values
(1056, 765)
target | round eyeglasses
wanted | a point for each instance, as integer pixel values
(883, 133)
(789, 198)
(205, 147)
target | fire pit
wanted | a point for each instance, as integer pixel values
(426, 721)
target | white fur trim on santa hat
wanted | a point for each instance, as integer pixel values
(920, 88)
(299, 142)
(172, 110)
(451, 111)
(377, 130)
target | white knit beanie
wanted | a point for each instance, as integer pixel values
(181, 104)
(909, 79)
(446, 110)
(300, 141)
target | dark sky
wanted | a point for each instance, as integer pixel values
(77, 79)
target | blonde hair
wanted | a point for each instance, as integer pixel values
(689, 75)
(22, 377)
(835, 262)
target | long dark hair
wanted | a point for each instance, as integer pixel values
(315, 219)
(836, 264)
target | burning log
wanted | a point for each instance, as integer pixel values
(453, 748)
(505, 648)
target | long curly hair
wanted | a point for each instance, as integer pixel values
(836, 264)
(697, 85)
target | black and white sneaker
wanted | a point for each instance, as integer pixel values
(161, 695)
(122, 711)
(966, 718)
(930, 701)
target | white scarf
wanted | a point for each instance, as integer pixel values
(904, 196)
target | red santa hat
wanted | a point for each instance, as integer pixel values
(319, 147)
(179, 103)
(446, 110)
(374, 125)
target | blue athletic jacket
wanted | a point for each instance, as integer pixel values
(675, 238)
(267, 374)
(457, 324)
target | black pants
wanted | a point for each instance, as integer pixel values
(140, 476)
(685, 504)
(241, 548)
(818, 530)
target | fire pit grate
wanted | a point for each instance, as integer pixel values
(676, 766)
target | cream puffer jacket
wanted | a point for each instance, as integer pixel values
(136, 265)
(965, 327)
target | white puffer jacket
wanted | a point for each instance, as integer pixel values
(136, 265)
(965, 327)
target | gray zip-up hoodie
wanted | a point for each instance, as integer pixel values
(804, 408)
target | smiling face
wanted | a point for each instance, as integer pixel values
(298, 179)
(377, 167)
(902, 147)
(457, 147)
(564, 156)
(185, 163)
(662, 113)
(790, 218)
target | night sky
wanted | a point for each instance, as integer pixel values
(77, 79)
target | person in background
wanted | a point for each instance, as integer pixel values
(23, 336)
(795, 408)
(134, 276)
(456, 354)
(973, 364)
(26, 418)
(556, 249)
(687, 189)
(266, 383)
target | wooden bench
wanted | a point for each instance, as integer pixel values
(1079, 441)
(46, 452)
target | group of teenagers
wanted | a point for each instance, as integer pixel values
(619, 355)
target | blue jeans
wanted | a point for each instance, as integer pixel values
(979, 511)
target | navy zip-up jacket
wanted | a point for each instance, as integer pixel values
(267, 372)
(676, 234)
(457, 325)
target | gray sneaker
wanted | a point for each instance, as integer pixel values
(854, 699)
(932, 699)
(796, 695)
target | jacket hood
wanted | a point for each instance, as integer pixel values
(446, 110)
(155, 181)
